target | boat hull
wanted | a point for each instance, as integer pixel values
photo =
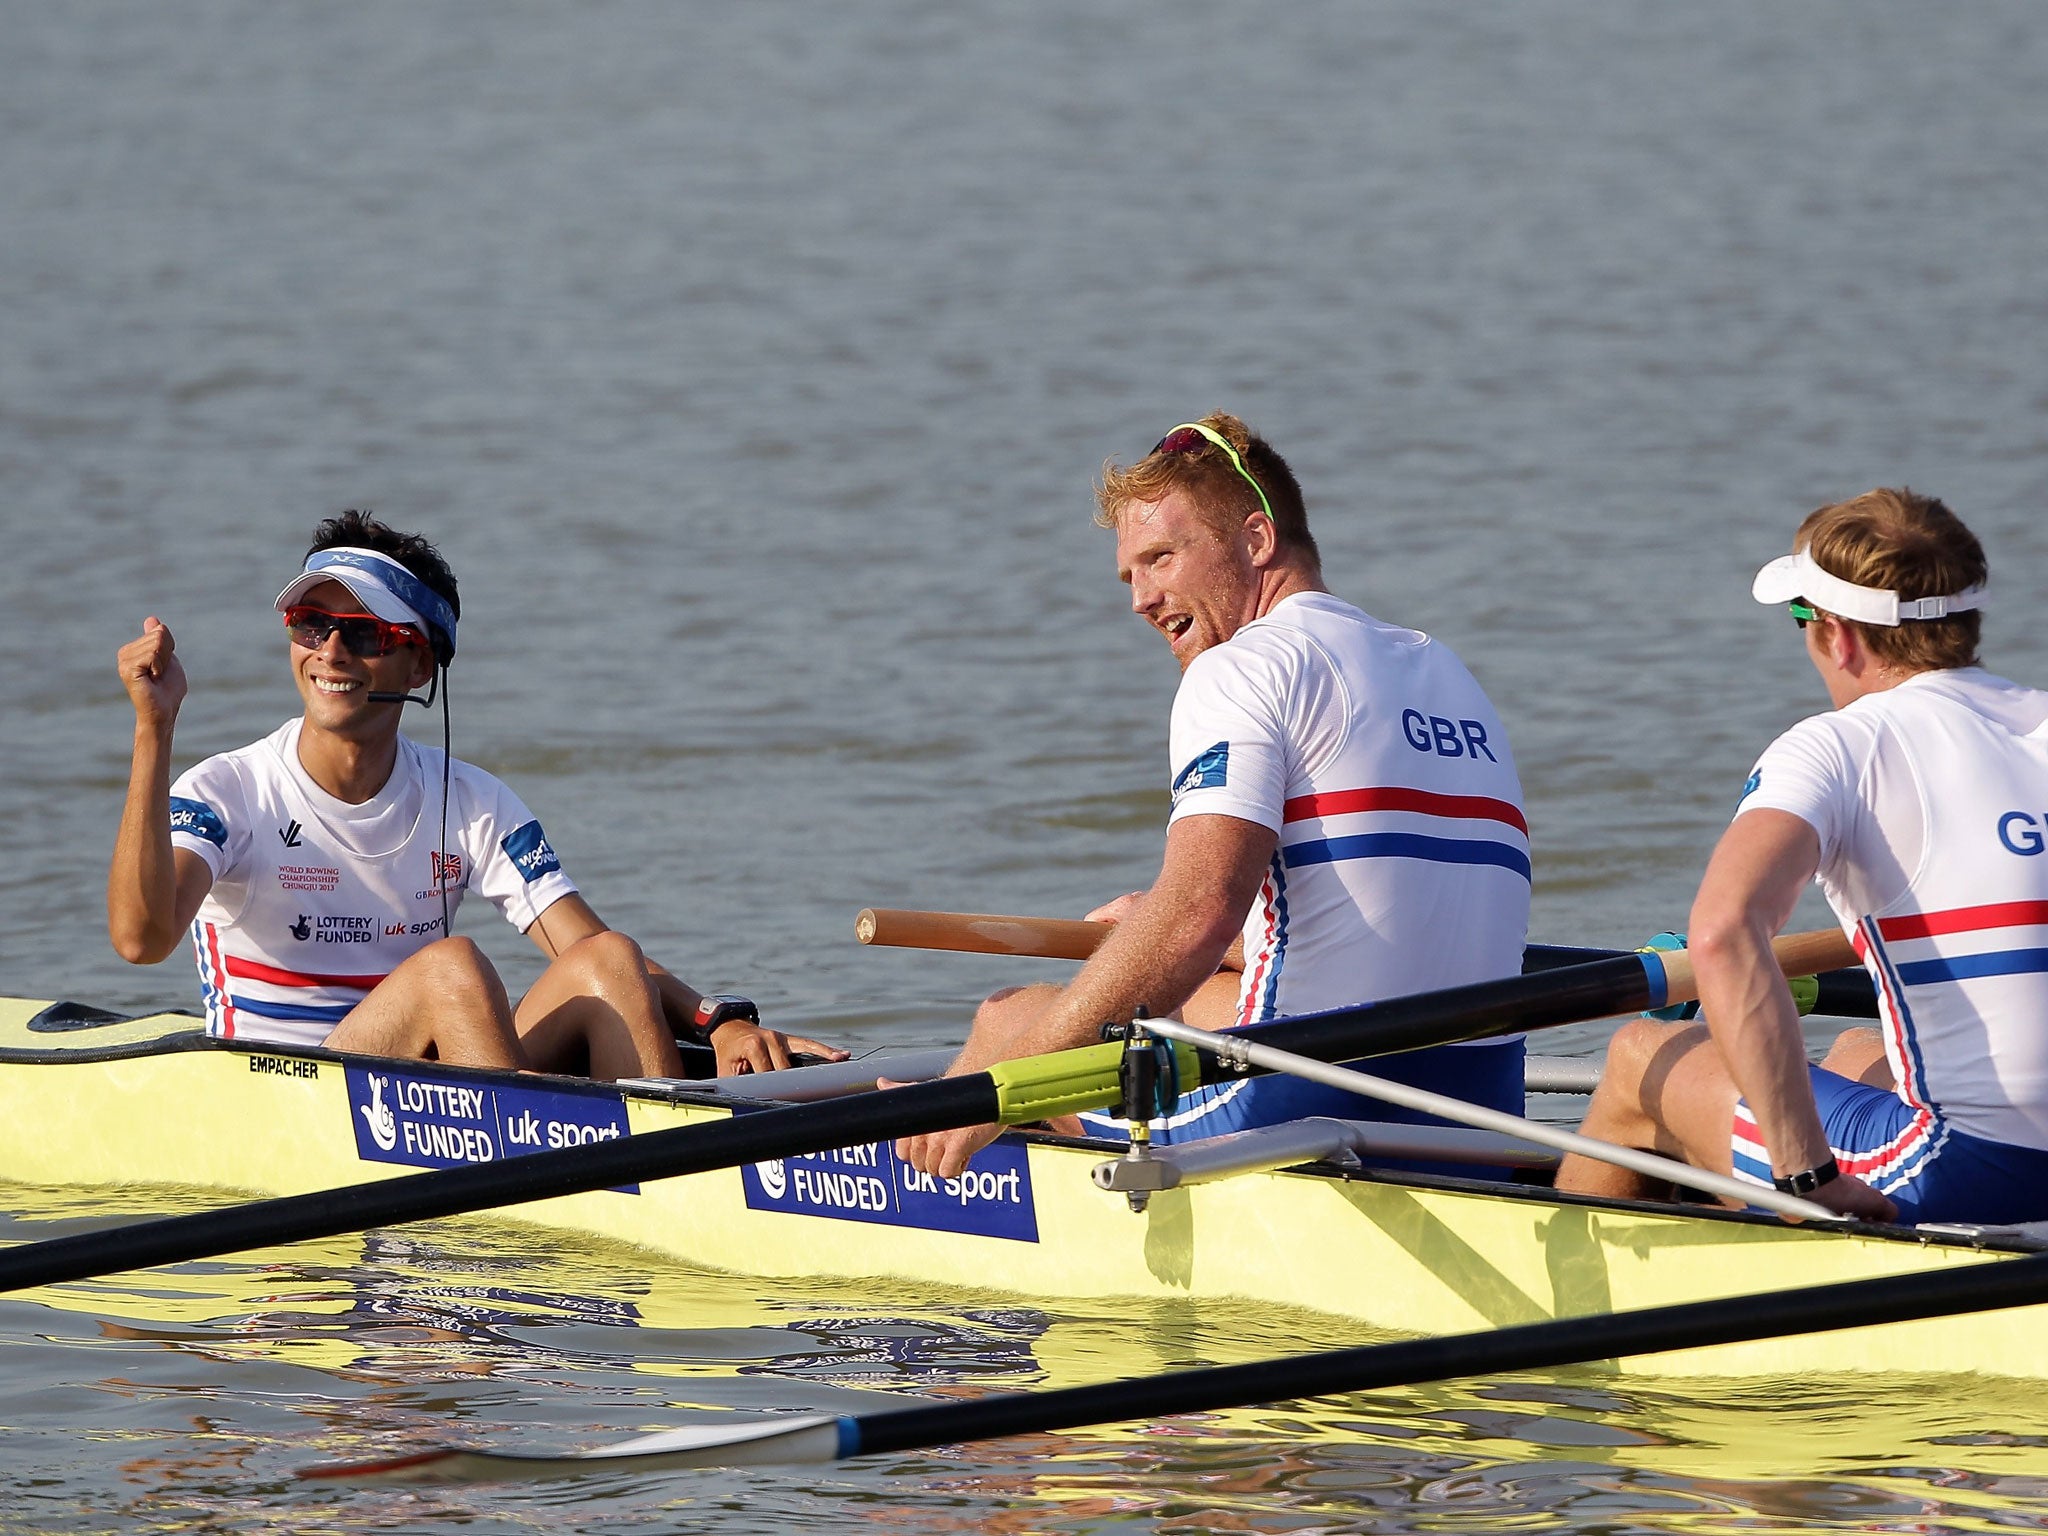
(156, 1102)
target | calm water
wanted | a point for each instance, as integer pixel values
(751, 365)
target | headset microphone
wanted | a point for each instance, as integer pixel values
(410, 698)
(441, 645)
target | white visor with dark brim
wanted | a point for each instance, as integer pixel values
(1797, 576)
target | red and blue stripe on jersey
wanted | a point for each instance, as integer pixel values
(1907, 953)
(1452, 809)
(1358, 837)
(219, 971)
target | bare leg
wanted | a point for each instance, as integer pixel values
(1858, 1054)
(1665, 1089)
(595, 1011)
(444, 1003)
(1214, 1005)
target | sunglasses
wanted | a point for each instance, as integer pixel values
(1803, 612)
(1189, 436)
(362, 634)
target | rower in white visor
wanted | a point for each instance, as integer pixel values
(1918, 804)
(316, 871)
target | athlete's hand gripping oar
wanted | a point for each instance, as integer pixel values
(1496, 1352)
(1843, 990)
(1010, 1093)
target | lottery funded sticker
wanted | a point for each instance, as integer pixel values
(425, 1119)
(993, 1198)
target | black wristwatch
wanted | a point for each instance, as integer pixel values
(1808, 1180)
(716, 1008)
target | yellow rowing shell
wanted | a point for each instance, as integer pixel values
(154, 1101)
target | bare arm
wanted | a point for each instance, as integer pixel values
(738, 1046)
(1116, 911)
(153, 890)
(1751, 885)
(1166, 944)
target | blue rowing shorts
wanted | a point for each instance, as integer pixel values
(1931, 1171)
(1488, 1074)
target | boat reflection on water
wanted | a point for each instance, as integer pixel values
(473, 1331)
(1889, 1454)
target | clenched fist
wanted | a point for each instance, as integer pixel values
(152, 674)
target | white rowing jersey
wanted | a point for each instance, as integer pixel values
(1403, 863)
(314, 901)
(1931, 804)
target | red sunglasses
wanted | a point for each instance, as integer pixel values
(362, 634)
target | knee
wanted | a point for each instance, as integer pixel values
(455, 962)
(605, 955)
(1631, 1053)
(1854, 1052)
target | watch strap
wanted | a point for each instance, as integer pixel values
(1807, 1180)
(716, 1008)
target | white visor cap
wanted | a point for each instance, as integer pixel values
(362, 575)
(1797, 575)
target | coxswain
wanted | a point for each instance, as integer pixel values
(316, 871)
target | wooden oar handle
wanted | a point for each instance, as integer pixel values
(1061, 938)
(1798, 954)
(980, 933)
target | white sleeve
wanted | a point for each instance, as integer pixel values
(515, 867)
(209, 815)
(1229, 740)
(1812, 772)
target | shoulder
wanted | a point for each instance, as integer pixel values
(1305, 630)
(467, 783)
(464, 777)
(229, 774)
(1814, 760)
(217, 798)
(1253, 669)
(2014, 706)
(1844, 734)
(1321, 625)
(492, 816)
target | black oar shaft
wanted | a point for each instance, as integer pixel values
(1533, 1346)
(1566, 995)
(1842, 994)
(746, 1137)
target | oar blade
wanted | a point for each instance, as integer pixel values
(785, 1440)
